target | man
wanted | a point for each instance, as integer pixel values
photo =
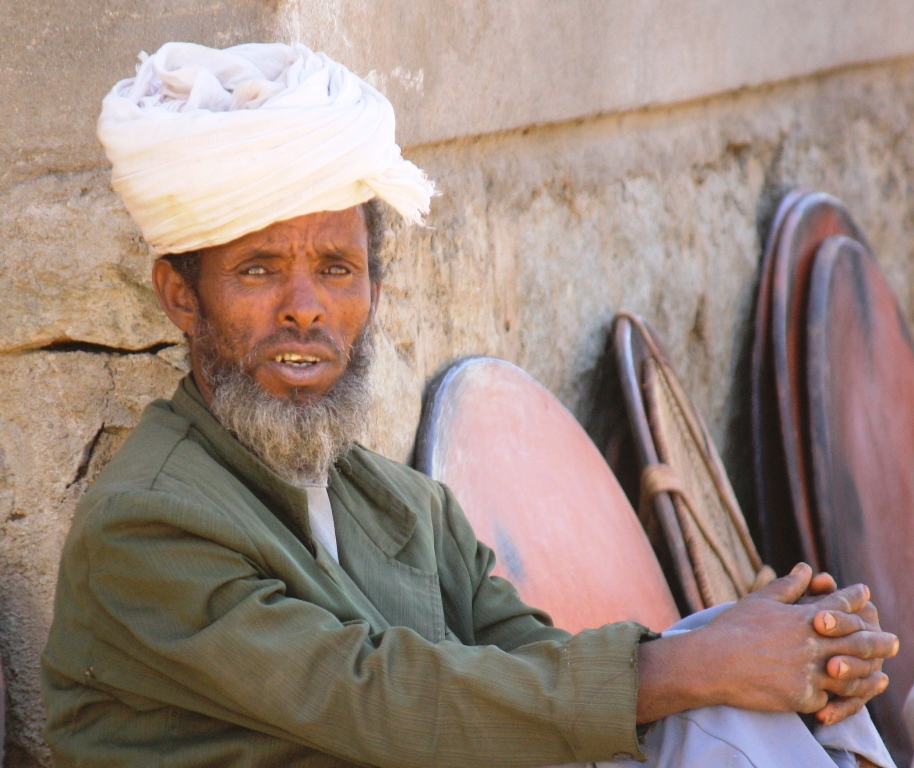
(246, 586)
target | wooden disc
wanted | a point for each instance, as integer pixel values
(537, 490)
(809, 222)
(779, 543)
(860, 375)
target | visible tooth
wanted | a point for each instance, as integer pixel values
(294, 357)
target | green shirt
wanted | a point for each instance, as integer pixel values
(197, 623)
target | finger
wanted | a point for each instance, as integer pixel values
(822, 584)
(850, 667)
(870, 615)
(849, 600)
(787, 589)
(838, 623)
(866, 645)
(838, 709)
(859, 688)
(816, 701)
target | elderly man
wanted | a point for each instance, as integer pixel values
(246, 586)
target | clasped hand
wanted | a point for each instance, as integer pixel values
(801, 639)
(796, 645)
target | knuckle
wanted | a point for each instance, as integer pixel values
(852, 706)
(852, 687)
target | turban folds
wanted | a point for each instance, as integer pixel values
(208, 145)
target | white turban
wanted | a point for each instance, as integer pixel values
(207, 145)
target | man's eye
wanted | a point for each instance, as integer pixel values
(255, 271)
(336, 269)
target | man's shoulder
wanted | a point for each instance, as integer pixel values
(158, 453)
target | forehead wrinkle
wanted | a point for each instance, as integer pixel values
(331, 241)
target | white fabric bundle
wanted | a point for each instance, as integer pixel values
(208, 145)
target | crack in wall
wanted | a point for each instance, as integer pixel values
(68, 345)
(86, 460)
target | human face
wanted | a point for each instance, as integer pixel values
(286, 303)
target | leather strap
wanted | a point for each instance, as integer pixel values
(662, 478)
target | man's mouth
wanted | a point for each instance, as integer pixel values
(296, 360)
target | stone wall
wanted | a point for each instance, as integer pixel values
(540, 235)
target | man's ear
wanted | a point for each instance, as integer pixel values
(175, 295)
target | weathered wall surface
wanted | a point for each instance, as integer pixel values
(541, 234)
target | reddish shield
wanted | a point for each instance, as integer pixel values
(535, 487)
(775, 531)
(811, 219)
(861, 412)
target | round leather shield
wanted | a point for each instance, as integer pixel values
(860, 376)
(814, 217)
(536, 489)
(775, 532)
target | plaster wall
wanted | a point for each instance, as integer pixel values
(455, 69)
(542, 232)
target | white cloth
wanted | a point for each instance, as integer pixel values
(320, 516)
(728, 736)
(208, 145)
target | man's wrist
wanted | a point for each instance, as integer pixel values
(673, 677)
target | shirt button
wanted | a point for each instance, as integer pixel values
(620, 756)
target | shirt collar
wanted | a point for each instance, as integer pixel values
(389, 530)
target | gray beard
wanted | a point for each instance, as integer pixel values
(299, 440)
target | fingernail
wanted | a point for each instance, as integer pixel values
(797, 568)
(895, 647)
(843, 668)
(829, 620)
(866, 591)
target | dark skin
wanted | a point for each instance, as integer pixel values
(303, 275)
(780, 649)
(784, 648)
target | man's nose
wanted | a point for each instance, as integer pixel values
(300, 302)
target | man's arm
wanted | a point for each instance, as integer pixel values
(184, 616)
(769, 653)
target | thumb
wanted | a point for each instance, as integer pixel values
(787, 589)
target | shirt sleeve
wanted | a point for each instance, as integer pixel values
(501, 618)
(184, 616)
